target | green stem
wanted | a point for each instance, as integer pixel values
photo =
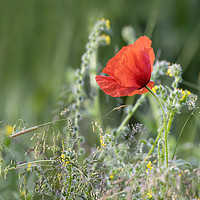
(165, 126)
(32, 162)
(160, 132)
(192, 113)
(170, 122)
(70, 182)
(160, 155)
(154, 144)
(77, 120)
(126, 119)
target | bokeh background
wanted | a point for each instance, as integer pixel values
(42, 40)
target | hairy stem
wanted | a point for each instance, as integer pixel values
(165, 126)
(170, 122)
(70, 182)
(156, 141)
(26, 164)
(160, 154)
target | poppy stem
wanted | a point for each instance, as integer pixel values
(165, 127)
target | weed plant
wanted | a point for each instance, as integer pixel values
(121, 163)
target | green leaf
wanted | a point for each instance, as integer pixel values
(181, 162)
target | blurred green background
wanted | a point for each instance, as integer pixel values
(41, 40)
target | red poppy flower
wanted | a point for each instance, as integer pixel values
(130, 70)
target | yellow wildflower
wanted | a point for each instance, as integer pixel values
(149, 193)
(63, 157)
(169, 72)
(184, 94)
(108, 24)
(107, 39)
(67, 162)
(9, 130)
(154, 88)
(111, 176)
(101, 141)
(188, 92)
(180, 174)
(29, 166)
(149, 165)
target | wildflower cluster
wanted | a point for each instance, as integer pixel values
(29, 167)
(173, 98)
(101, 141)
(149, 194)
(175, 71)
(125, 169)
(96, 38)
(149, 167)
(185, 94)
(64, 159)
(160, 68)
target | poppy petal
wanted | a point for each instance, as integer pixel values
(117, 68)
(142, 90)
(132, 65)
(142, 57)
(110, 86)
